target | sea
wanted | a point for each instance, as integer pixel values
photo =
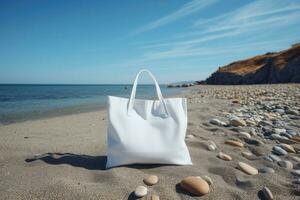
(21, 102)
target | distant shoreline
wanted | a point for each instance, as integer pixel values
(62, 110)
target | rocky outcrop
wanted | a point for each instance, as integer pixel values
(280, 67)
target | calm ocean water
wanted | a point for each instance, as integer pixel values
(23, 102)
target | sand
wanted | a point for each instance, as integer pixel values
(64, 158)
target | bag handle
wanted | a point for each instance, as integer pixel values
(133, 92)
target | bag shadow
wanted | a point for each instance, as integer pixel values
(83, 161)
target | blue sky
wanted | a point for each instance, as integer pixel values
(108, 41)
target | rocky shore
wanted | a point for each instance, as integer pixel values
(272, 67)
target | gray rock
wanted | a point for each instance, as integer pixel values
(268, 158)
(267, 193)
(279, 151)
(297, 181)
(291, 132)
(274, 158)
(296, 172)
(280, 111)
(235, 121)
(285, 164)
(296, 159)
(279, 130)
(266, 170)
(265, 123)
(217, 122)
(275, 136)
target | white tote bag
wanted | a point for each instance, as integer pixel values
(146, 131)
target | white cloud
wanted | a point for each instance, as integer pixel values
(186, 9)
(256, 18)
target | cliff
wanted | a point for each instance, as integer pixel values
(279, 67)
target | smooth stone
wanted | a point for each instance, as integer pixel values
(279, 151)
(266, 170)
(296, 159)
(280, 111)
(288, 148)
(190, 136)
(235, 121)
(268, 158)
(279, 130)
(211, 147)
(151, 180)
(275, 158)
(257, 151)
(265, 123)
(285, 135)
(275, 136)
(253, 141)
(140, 191)
(267, 193)
(285, 164)
(234, 143)
(292, 112)
(207, 179)
(291, 132)
(224, 156)
(154, 197)
(296, 138)
(194, 185)
(247, 154)
(248, 169)
(286, 141)
(217, 122)
(296, 172)
(245, 134)
(297, 181)
(212, 143)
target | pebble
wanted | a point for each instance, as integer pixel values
(266, 170)
(154, 197)
(297, 181)
(211, 147)
(245, 134)
(224, 156)
(235, 121)
(248, 169)
(257, 151)
(296, 138)
(275, 136)
(151, 180)
(217, 122)
(275, 158)
(291, 132)
(296, 172)
(285, 164)
(253, 141)
(194, 185)
(279, 151)
(268, 158)
(234, 143)
(248, 155)
(267, 193)
(288, 148)
(140, 191)
(189, 136)
(279, 130)
(296, 159)
(207, 179)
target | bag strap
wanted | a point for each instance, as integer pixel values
(133, 92)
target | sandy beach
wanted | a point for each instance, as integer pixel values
(64, 157)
